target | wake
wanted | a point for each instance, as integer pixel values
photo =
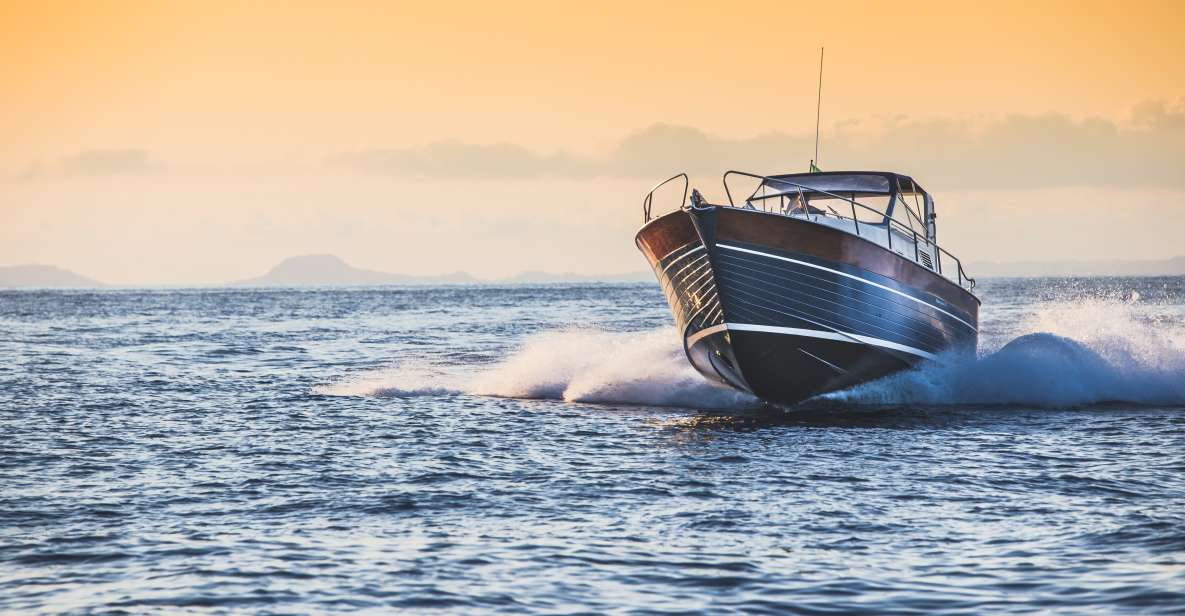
(634, 368)
(1078, 354)
(1041, 370)
(1081, 354)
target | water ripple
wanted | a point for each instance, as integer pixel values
(464, 450)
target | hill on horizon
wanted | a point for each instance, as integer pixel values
(540, 277)
(43, 277)
(328, 270)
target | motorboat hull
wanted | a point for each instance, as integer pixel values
(786, 309)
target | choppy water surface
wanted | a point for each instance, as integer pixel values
(547, 449)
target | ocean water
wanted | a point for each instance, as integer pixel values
(548, 450)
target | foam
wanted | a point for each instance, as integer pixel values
(646, 368)
(1076, 354)
(393, 382)
(634, 368)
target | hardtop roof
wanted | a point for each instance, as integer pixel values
(843, 182)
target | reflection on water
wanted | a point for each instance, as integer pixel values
(824, 414)
(820, 416)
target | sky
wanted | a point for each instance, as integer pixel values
(202, 142)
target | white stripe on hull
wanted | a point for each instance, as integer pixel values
(707, 331)
(847, 275)
(809, 333)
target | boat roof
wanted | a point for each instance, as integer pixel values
(859, 183)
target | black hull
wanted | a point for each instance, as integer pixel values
(805, 315)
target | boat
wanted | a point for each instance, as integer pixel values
(813, 283)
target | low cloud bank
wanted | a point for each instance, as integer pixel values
(98, 162)
(454, 159)
(1010, 152)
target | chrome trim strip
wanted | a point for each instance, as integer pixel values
(694, 265)
(823, 361)
(713, 303)
(676, 259)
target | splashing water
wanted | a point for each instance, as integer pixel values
(1072, 354)
(1041, 369)
(1066, 355)
(594, 366)
(644, 368)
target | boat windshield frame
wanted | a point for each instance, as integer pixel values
(894, 186)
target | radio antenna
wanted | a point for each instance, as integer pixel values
(818, 113)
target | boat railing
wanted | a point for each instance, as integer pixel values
(649, 200)
(888, 223)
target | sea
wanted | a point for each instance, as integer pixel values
(547, 449)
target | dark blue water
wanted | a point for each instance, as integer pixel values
(547, 449)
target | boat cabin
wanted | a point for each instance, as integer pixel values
(886, 208)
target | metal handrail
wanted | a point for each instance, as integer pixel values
(888, 223)
(649, 199)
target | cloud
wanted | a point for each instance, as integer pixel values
(1158, 116)
(109, 162)
(1008, 152)
(454, 159)
(96, 163)
(1015, 151)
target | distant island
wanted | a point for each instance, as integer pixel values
(534, 277)
(323, 270)
(43, 277)
(330, 270)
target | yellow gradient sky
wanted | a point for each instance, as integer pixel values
(189, 142)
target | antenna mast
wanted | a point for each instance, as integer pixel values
(818, 113)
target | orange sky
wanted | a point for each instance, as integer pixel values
(296, 78)
(279, 88)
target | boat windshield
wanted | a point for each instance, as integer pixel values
(866, 197)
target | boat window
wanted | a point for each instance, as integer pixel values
(910, 205)
(908, 211)
(903, 218)
(869, 209)
(874, 208)
(802, 203)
